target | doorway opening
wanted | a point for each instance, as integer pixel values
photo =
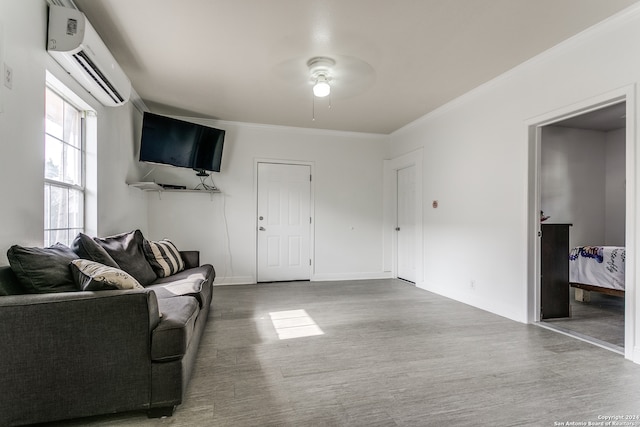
(581, 280)
(582, 173)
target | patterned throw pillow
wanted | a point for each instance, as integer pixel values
(93, 276)
(164, 257)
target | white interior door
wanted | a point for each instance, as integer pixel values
(284, 222)
(406, 226)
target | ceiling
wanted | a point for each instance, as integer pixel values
(604, 120)
(245, 60)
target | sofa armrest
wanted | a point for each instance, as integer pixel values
(9, 284)
(113, 302)
(65, 348)
(191, 258)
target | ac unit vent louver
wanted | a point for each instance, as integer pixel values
(77, 47)
(65, 3)
(88, 65)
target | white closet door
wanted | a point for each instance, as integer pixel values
(406, 227)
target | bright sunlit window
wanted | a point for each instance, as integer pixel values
(63, 170)
(294, 324)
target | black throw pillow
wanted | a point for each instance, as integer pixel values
(87, 248)
(126, 250)
(43, 270)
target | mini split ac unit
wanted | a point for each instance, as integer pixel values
(76, 45)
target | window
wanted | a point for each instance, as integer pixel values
(63, 170)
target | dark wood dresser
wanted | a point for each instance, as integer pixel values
(554, 271)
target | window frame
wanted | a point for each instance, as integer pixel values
(48, 182)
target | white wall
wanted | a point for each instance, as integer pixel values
(22, 125)
(477, 165)
(120, 208)
(615, 203)
(582, 174)
(347, 190)
(573, 181)
(22, 137)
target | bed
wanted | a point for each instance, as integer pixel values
(598, 269)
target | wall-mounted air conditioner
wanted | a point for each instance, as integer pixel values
(76, 45)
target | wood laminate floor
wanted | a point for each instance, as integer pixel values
(384, 353)
(601, 319)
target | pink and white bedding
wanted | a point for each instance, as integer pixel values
(598, 266)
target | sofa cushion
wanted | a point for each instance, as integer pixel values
(170, 339)
(43, 270)
(193, 281)
(164, 257)
(126, 250)
(93, 276)
(87, 248)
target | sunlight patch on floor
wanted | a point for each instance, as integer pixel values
(294, 324)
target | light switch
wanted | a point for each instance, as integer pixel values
(8, 76)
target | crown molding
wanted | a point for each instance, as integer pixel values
(286, 129)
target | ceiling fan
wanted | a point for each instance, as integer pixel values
(340, 76)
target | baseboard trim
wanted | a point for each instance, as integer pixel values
(636, 355)
(327, 277)
(239, 280)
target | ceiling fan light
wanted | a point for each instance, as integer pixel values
(321, 88)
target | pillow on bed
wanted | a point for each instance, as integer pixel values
(93, 276)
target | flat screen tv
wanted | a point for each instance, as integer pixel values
(178, 143)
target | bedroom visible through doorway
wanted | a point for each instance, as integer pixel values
(582, 194)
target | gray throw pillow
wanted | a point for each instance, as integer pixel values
(87, 248)
(43, 270)
(126, 250)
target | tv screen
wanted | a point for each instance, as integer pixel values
(178, 143)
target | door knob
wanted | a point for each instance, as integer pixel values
(262, 229)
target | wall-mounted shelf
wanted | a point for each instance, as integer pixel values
(146, 186)
(152, 186)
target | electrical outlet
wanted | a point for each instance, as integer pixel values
(8, 76)
(472, 284)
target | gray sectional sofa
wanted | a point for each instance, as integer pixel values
(69, 353)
